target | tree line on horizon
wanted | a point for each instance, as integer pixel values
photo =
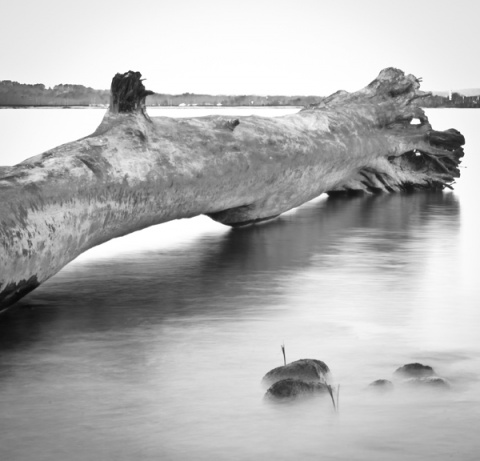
(20, 94)
(14, 94)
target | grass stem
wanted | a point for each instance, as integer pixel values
(284, 357)
(338, 397)
(330, 391)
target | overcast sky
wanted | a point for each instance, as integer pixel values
(243, 46)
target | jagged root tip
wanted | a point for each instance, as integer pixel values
(128, 93)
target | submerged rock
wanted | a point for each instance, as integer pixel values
(381, 385)
(418, 375)
(289, 389)
(306, 370)
(414, 370)
(428, 381)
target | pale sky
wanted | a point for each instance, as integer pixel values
(238, 47)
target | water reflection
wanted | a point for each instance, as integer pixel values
(151, 349)
(383, 224)
(223, 274)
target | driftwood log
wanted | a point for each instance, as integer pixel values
(134, 172)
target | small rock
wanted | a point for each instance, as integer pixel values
(307, 370)
(383, 385)
(289, 389)
(414, 370)
(428, 381)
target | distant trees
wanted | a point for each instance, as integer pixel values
(192, 99)
(457, 100)
(21, 94)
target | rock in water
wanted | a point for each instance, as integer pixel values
(418, 375)
(289, 389)
(307, 370)
(414, 370)
(428, 381)
(382, 385)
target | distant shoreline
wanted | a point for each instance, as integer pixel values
(157, 107)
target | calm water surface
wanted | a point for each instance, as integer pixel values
(152, 347)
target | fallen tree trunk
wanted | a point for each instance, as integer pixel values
(134, 172)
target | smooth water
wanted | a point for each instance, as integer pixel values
(152, 347)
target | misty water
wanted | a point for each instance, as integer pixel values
(153, 346)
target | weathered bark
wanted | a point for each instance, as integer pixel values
(134, 172)
(127, 94)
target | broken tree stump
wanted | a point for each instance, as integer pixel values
(134, 172)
